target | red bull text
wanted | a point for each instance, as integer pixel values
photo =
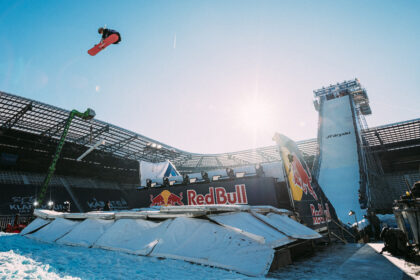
(218, 195)
(320, 216)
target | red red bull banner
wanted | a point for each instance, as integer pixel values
(240, 191)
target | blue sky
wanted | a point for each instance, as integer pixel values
(212, 76)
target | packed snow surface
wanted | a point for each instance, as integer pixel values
(23, 258)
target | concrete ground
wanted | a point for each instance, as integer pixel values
(350, 261)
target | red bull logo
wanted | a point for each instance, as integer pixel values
(320, 216)
(301, 178)
(218, 195)
(166, 198)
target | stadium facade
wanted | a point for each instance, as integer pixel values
(30, 131)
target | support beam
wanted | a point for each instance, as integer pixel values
(239, 160)
(117, 146)
(55, 129)
(379, 138)
(219, 163)
(13, 120)
(199, 162)
(183, 161)
(267, 157)
(92, 135)
(100, 142)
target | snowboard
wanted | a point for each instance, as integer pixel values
(108, 41)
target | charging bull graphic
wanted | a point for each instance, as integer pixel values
(166, 198)
(299, 176)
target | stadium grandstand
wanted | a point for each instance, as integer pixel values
(30, 130)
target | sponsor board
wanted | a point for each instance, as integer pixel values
(218, 195)
(241, 191)
(309, 199)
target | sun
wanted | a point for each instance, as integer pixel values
(254, 114)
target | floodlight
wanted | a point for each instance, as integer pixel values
(216, 178)
(205, 176)
(259, 170)
(186, 179)
(166, 181)
(89, 114)
(36, 203)
(193, 180)
(351, 213)
(149, 183)
(230, 173)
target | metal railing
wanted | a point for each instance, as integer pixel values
(10, 219)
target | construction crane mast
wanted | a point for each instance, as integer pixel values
(87, 115)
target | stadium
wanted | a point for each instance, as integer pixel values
(30, 131)
(51, 159)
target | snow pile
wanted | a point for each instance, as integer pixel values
(251, 225)
(36, 224)
(53, 231)
(288, 226)
(237, 238)
(132, 236)
(15, 266)
(362, 224)
(200, 241)
(68, 262)
(86, 233)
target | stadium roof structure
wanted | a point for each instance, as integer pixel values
(40, 119)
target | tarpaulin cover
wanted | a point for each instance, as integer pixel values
(35, 225)
(289, 226)
(157, 170)
(242, 240)
(248, 223)
(48, 214)
(54, 230)
(86, 233)
(204, 242)
(132, 236)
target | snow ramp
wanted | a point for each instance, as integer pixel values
(241, 239)
(338, 166)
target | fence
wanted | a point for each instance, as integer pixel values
(10, 219)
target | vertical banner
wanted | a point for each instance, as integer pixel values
(310, 202)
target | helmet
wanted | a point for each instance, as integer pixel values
(100, 30)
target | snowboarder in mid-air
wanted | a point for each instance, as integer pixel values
(109, 37)
(108, 32)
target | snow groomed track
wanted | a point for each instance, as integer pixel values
(238, 238)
